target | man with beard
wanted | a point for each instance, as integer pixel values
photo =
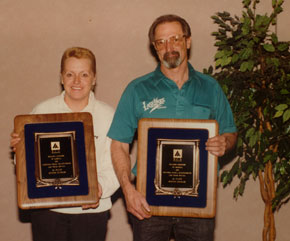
(173, 90)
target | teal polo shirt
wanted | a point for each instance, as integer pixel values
(156, 96)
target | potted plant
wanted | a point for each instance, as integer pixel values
(253, 68)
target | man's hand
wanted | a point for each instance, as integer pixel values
(220, 144)
(136, 203)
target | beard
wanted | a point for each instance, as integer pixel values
(172, 59)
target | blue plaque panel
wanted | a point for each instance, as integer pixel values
(173, 200)
(52, 190)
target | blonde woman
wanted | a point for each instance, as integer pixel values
(78, 77)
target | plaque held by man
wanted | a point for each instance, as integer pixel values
(175, 173)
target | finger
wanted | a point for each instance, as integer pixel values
(145, 206)
(14, 141)
(216, 151)
(13, 134)
(137, 215)
(88, 206)
(139, 211)
(140, 214)
(100, 190)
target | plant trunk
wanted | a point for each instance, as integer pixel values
(267, 189)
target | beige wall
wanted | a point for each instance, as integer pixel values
(33, 35)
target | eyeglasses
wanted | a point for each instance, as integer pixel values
(174, 40)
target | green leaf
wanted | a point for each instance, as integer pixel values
(244, 66)
(235, 168)
(286, 115)
(274, 38)
(215, 33)
(250, 132)
(256, 39)
(236, 192)
(220, 43)
(280, 2)
(224, 178)
(283, 46)
(278, 113)
(269, 47)
(246, 3)
(262, 23)
(245, 29)
(281, 107)
(267, 158)
(246, 53)
(253, 139)
(235, 58)
(226, 61)
(278, 10)
(282, 170)
(250, 65)
(218, 62)
(276, 62)
(284, 92)
(240, 142)
(225, 89)
(242, 188)
(219, 54)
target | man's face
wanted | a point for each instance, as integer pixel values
(171, 44)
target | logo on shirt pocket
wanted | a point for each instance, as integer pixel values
(155, 104)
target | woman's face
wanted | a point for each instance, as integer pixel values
(78, 80)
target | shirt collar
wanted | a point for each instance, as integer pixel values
(159, 76)
(88, 108)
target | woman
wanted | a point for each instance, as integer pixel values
(78, 77)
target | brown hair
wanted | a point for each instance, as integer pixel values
(79, 53)
(165, 19)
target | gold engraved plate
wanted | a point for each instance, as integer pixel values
(177, 167)
(56, 159)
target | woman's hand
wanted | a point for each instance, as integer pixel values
(95, 205)
(14, 140)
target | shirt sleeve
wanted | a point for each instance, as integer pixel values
(125, 120)
(106, 174)
(224, 115)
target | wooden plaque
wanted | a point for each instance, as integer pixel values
(175, 173)
(55, 160)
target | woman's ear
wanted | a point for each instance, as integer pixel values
(61, 79)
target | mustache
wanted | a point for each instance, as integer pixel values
(169, 54)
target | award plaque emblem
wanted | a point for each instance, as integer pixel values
(177, 167)
(175, 173)
(56, 159)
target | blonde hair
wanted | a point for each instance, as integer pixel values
(79, 53)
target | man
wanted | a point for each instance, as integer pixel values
(173, 90)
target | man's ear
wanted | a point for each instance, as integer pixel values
(188, 42)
